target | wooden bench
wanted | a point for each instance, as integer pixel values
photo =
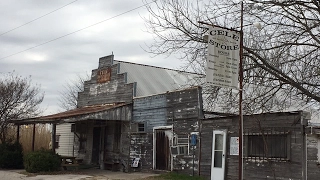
(69, 161)
(114, 165)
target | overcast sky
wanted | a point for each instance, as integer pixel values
(55, 63)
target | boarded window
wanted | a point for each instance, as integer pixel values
(268, 146)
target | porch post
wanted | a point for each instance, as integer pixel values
(304, 153)
(53, 137)
(304, 123)
(18, 133)
(33, 136)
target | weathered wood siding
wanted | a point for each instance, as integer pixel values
(141, 146)
(122, 113)
(184, 112)
(89, 142)
(312, 156)
(182, 109)
(254, 124)
(125, 147)
(114, 91)
(151, 110)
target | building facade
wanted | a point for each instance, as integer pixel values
(134, 117)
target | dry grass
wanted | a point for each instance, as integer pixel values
(42, 136)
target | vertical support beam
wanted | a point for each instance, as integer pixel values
(33, 136)
(304, 123)
(304, 153)
(53, 137)
(200, 116)
(74, 138)
(102, 139)
(18, 133)
(240, 98)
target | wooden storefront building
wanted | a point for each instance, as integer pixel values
(134, 117)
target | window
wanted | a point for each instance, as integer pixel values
(180, 144)
(174, 150)
(179, 150)
(183, 150)
(266, 146)
(140, 127)
(57, 141)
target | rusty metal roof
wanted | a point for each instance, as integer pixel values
(55, 118)
(81, 111)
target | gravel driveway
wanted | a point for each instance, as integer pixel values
(89, 174)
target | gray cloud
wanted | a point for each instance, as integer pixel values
(55, 63)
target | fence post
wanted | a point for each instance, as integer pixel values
(33, 136)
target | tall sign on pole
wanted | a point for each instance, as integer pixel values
(224, 67)
(223, 57)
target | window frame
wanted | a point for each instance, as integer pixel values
(285, 149)
(136, 127)
(141, 129)
(57, 140)
(181, 142)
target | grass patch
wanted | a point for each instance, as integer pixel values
(174, 176)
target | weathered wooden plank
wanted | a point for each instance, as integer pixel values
(267, 169)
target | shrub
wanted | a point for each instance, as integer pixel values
(11, 156)
(41, 161)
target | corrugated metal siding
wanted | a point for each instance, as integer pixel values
(154, 80)
(66, 138)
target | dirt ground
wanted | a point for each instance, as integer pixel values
(88, 174)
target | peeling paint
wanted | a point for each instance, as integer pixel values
(96, 89)
(168, 134)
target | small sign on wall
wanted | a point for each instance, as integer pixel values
(135, 162)
(234, 146)
(104, 75)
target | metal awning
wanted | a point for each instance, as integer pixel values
(120, 112)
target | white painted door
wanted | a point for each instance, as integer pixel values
(218, 155)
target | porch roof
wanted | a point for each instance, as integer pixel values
(96, 112)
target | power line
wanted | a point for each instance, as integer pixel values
(60, 37)
(36, 18)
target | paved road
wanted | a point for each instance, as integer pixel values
(92, 174)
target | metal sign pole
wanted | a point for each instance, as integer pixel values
(231, 85)
(240, 98)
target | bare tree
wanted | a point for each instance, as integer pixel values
(281, 65)
(69, 95)
(18, 99)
